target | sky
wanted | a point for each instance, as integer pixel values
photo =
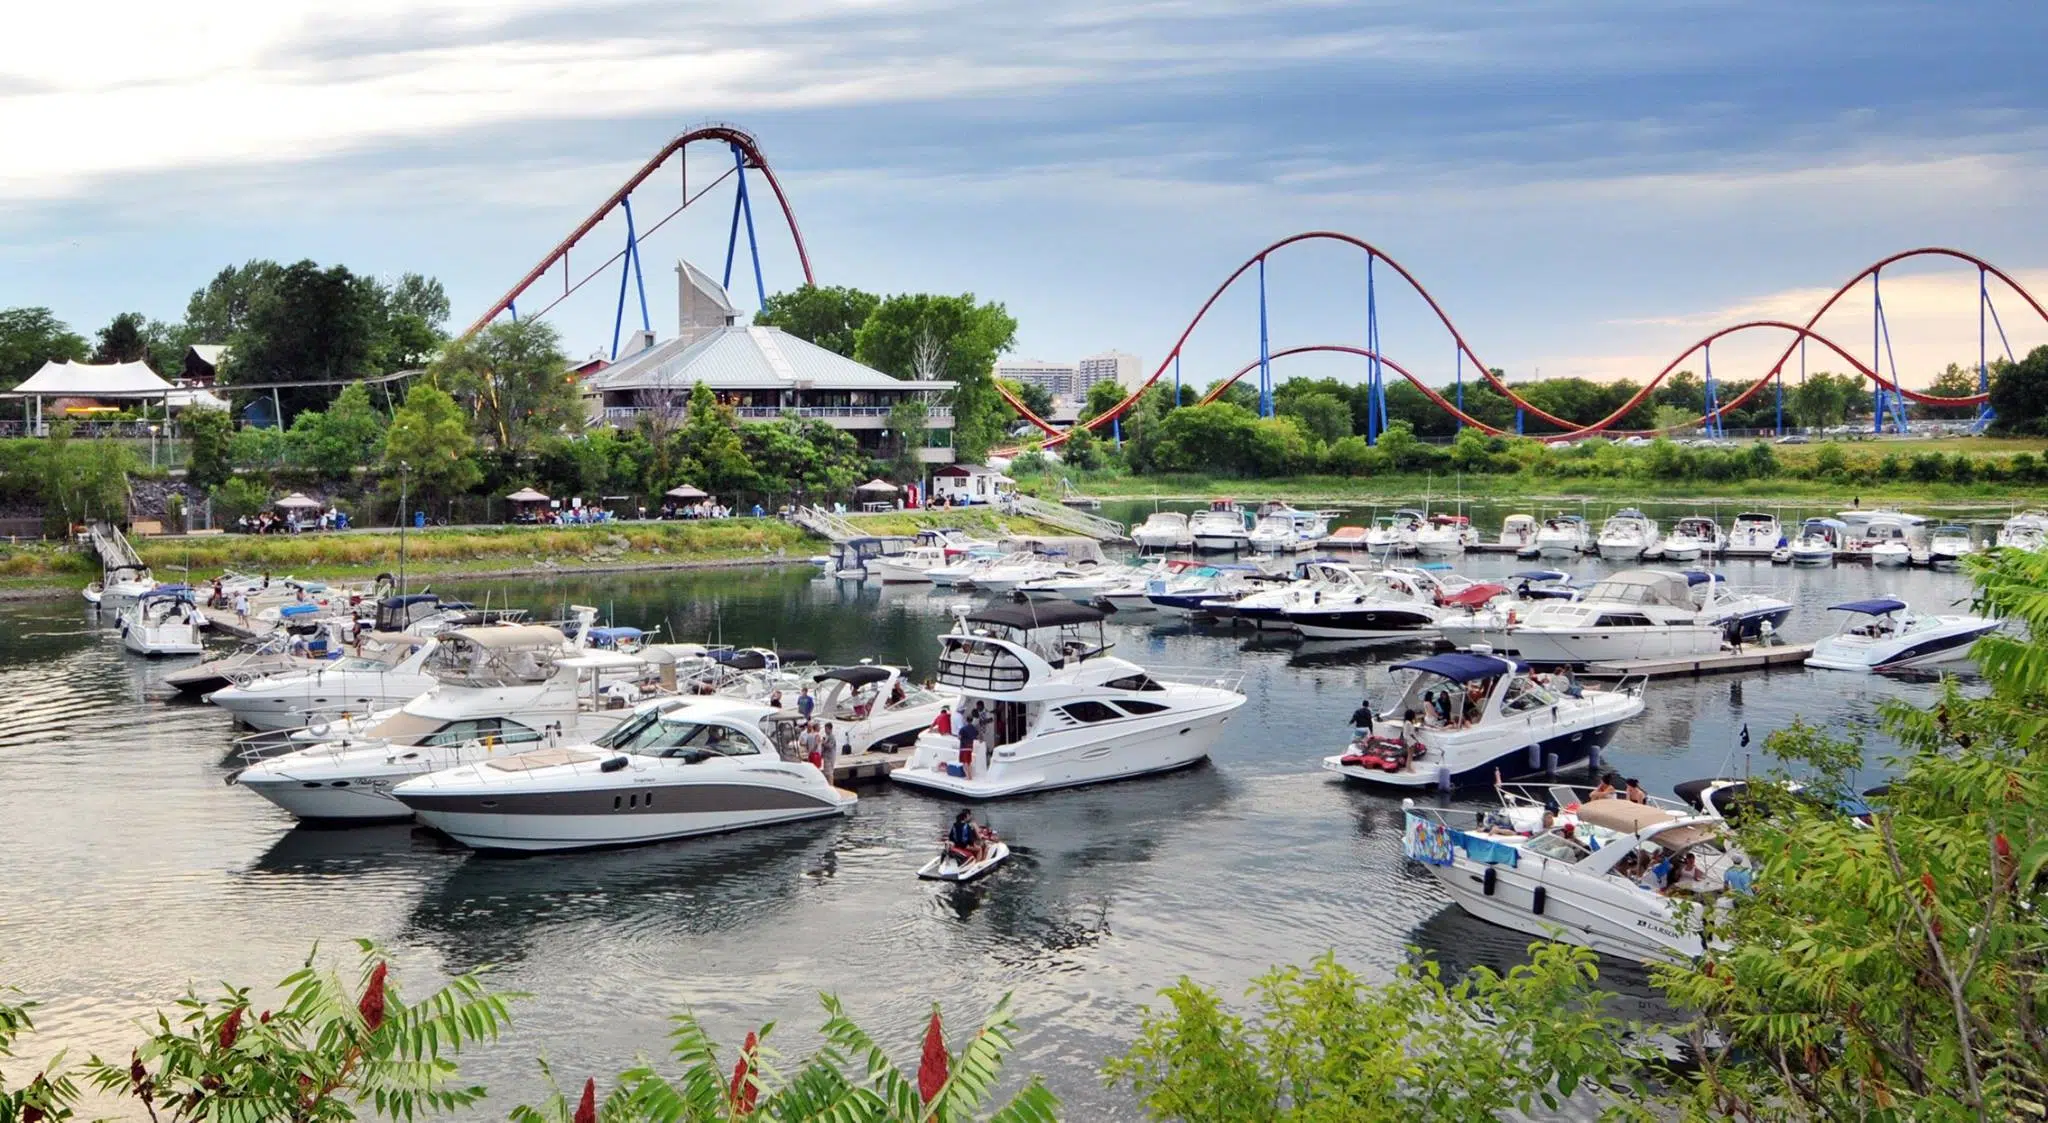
(1585, 188)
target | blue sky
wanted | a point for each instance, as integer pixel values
(1586, 187)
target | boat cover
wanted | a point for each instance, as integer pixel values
(1461, 666)
(1876, 607)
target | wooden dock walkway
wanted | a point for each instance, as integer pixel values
(1750, 658)
(867, 766)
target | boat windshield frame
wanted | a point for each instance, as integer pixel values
(677, 737)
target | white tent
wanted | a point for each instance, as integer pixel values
(91, 380)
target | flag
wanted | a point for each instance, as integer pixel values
(931, 1068)
(1745, 734)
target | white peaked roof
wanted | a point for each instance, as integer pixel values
(210, 353)
(90, 380)
(745, 358)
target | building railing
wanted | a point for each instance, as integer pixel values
(627, 414)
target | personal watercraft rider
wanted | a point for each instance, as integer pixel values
(965, 838)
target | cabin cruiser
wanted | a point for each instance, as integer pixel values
(1267, 606)
(2027, 530)
(1741, 614)
(1286, 530)
(958, 570)
(387, 671)
(1950, 544)
(1693, 536)
(1622, 878)
(1626, 535)
(1518, 532)
(909, 567)
(1220, 529)
(1754, 535)
(1077, 585)
(120, 585)
(1884, 634)
(1396, 533)
(1818, 542)
(1634, 614)
(1163, 530)
(281, 652)
(1471, 715)
(1196, 591)
(718, 765)
(1060, 709)
(163, 621)
(1858, 520)
(1564, 536)
(1367, 605)
(1446, 536)
(1889, 554)
(498, 692)
(1134, 591)
(873, 706)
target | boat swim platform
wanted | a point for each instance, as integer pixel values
(1750, 658)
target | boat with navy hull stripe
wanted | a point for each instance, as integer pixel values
(1885, 634)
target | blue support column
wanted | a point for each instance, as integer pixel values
(629, 267)
(753, 245)
(1895, 397)
(1876, 355)
(1779, 383)
(633, 257)
(1518, 421)
(1984, 413)
(512, 306)
(1265, 358)
(732, 237)
(1713, 417)
(1375, 398)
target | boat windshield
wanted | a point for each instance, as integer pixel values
(654, 734)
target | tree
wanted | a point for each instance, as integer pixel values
(82, 480)
(2019, 395)
(414, 311)
(210, 433)
(830, 317)
(307, 324)
(123, 340)
(909, 430)
(1213, 438)
(1955, 381)
(1101, 398)
(336, 440)
(220, 310)
(1035, 397)
(910, 336)
(429, 442)
(1823, 399)
(515, 380)
(1238, 394)
(30, 337)
(713, 458)
(1325, 417)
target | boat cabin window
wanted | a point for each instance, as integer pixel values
(499, 730)
(1140, 709)
(1622, 620)
(650, 735)
(1557, 847)
(1133, 682)
(971, 664)
(1088, 712)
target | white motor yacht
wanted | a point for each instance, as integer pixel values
(1163, 530)
(1754, 535)
(718, 765)
(1564, 536)
(496, 694)
(962, 569)
(119, 586)
(388, 671)
(1467, 715)
(874, 706)
(1266, 607)
(1077, 585)
(1884, 634)
(2027, 530)
(1588, 878)
(1950, 545)
(1196, 591)
(1362, 604)
(1626, 535)
(1061, 711)
(1818, 542)
(1692, 537)
(1518, 531)
(281, 652)
(1134, 591)
(1445, 536)
(1634, 614)
(909, 567)
(1890, 555)
(1220, 529)
(1284, 530)
(1396, 533)
(163, 621)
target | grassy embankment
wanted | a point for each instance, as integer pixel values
(1791, 483)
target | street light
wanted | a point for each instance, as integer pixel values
(152, 447)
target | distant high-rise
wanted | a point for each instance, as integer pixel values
(1056, 378)
(1120, 367)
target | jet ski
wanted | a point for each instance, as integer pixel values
(951, 866)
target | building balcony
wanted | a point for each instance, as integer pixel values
(842, 417)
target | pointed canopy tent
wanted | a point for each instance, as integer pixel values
(688, 492)
(298, 501)
(90, 380)
(527, 495)
(878, 485)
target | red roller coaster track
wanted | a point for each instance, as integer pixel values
(751, 157)
(1573, 428)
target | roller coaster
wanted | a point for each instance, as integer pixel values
(1890, 395)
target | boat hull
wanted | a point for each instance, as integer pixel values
(1564, 747)
(1605, 922)
(588, 819)
(1361, 623)
(1836, 653)
(1602, 645)
(1165, 746)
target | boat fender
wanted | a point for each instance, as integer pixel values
(613, 765)
(317, 727)
(1536, 900)
(1486, 881)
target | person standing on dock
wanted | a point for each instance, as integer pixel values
(829, 745)
(805, 703)
(242, 608)
(969, 733)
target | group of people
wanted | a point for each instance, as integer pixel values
(566, 516)
(291, 522)
(704, 509)
(975, 727)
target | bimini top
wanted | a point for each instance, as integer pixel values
(1702, 577)
(168, 592)
(1032, 614)
(612, 636)
(754, 659)
(1875, 607)
(860, 675)
(1462, 666)
(1540, 575)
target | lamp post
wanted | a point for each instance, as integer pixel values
(402, 520)
(152, 447)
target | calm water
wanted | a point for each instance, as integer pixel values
(132, 868)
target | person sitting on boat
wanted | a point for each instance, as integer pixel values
(1636, 794)
(1603, 790)
(965, 840)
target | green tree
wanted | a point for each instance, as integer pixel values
(1213, 438)
(1955, 381)
(30, 337)
(514, 379)
(412, 315)
(308, 324)
(1325, 417)
(211, 433)
(830, 316)
(429, 441)
(1239, 393)
(219, 311)
(336, 440)
(909, 429)
(713, 457)
(949, 337)
(1036, 398)
(82, 480)
(122, 340)
(1101, 398)
(1823, 399)
(2019, 395)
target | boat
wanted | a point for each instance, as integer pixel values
(718, 765)
(1564, 536)
(1266, 607)
(387, 671)
(1754, 535)
(1077, 585)
(281, 652)
(1163, 530)
(1395, 533)
(1445, 536)
(1528, 588)
(1894, 637)
(1858, 520)
(1345, 538)
(852, 557)
(1818, 541)
(163, 621)
(1133, 593)
(1584, 879)
(120, 585)
(1220, 529)
(1469, 715)
(1626, 535)
(1196, 591)
(911, 567)
(1890, 554)
(2027, 530)
(1692, 537)
(1062, 711)
(1518, 532)
(1950, 545)
(1282, 529)
(951, 865)
(498, 692)
(1366, 605)
(957, 570)
(874, 707)
(1782, 555)
(1634, 614)
(1741, 614)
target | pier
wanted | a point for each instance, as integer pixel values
(1748, 659)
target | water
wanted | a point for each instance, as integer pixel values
(131, 868)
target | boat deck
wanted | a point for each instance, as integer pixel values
(1750, 658)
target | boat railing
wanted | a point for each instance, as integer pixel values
(1219, 678)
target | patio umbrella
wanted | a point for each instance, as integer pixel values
(687, 492)
(527, 495)
(298, 500)
(877, 484)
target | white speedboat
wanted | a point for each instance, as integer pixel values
(718, 765)
(281, 652)
(1284, 530)
(874, 706)
(1060, 709)
(1445, 536)
(911, 567)
(1626, 535)
(1163, 530)
(1634, 614)
(1564, 536)
(1220, 529)
(1950, 545)
(2027, 530)
(1396, 533)
(1884, 634)
(1467, 715)
(1077, 585)
(121, 585)
(1818, 542)
(961, 570)
(388, 672)
(1266, 607)
(1754, 535)
(1692, 537)
(1518, 532)
(1890, 555)
(163, 621)
(1741, 614)
(1198, 590)
(1366, 605)
(1587, 878)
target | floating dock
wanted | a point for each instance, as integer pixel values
(867, 766)
(1750, 658)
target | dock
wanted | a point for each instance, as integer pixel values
(1750, 658)
(867, 766)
